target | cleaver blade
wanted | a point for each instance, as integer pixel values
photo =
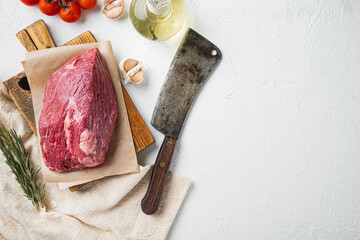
(192, 65)
(194, 61)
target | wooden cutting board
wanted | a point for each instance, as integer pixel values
(36, 37)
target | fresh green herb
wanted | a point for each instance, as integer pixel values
(14, 152)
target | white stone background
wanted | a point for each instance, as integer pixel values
(272, 143)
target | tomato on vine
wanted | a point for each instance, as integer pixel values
(49, 7)
(87, 4)
(70, 11)
(30, 2)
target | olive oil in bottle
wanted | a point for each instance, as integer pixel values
(158, 20)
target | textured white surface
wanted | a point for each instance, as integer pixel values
(272, 143)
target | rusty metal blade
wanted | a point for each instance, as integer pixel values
(194, 61)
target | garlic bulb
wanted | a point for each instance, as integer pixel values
(113, 8)
(132, 70)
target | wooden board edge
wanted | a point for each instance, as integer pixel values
(15, 99)
(49, 42)
(40, 35)
(76, 40)
(26, 41)
(144, 137)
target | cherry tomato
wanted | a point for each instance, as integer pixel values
(73, 15)
(30, 2)
(87, 4)
(49, 9)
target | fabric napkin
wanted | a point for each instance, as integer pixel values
(105, 209)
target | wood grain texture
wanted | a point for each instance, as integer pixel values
(75, 188)
(140, 132)
(40, 35)
(17, 88)
(26, 41)
(150, 202)
(86, 37)
(37, 36)
(34, 37)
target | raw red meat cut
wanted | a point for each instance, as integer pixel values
(78, 115)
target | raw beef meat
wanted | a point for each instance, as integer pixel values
(78, 115)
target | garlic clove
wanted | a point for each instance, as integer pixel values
(114, 13)
(116, 3)
(129, 64)
(113, 8)
(137, 77)
(132, 71)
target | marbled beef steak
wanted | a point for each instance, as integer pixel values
(78, 115)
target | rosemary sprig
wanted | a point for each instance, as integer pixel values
(14, 152)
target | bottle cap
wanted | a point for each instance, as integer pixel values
(159, 7)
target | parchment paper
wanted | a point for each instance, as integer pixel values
(121, 157)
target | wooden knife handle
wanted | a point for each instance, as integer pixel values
(150, 202)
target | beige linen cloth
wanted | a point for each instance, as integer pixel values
(105, 209)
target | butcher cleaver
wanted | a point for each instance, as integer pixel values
(194, 61)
